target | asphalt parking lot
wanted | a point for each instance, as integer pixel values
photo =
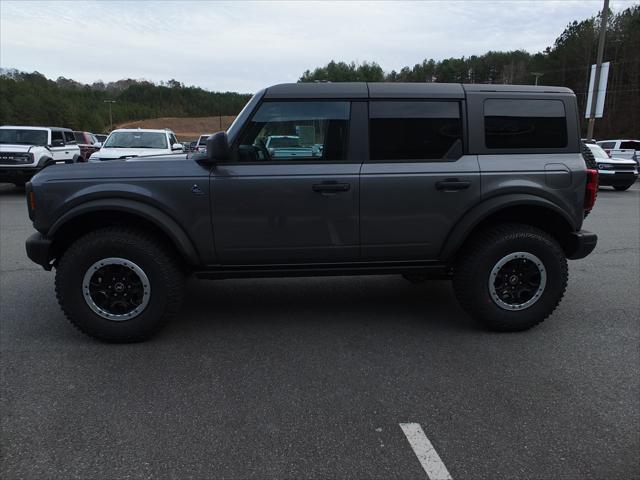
(310, 378)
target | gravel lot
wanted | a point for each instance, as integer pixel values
(310, 378)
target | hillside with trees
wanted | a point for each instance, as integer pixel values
(32, 99)
(566, 63)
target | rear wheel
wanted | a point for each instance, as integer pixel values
(511, 277)
(119, 284)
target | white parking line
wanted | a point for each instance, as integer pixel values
(429, 458)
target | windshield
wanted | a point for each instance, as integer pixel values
(630, 145)
(136, 140)
(598, 152)
(23, 137)
(284, 142)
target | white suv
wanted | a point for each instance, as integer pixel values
(622, 149)
(24, 151)
(137, 142)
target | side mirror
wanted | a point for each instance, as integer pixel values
(177, 146)
(217, 147)
(57, 143)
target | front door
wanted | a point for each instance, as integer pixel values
(289, 192)
(418, 182)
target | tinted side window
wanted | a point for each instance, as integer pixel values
(69, 137)
(56, 135)
(294, 131)
(513, 123)
(414, 130)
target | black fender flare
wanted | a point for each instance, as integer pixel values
(480, 212)
(44, 162)
(150, 213)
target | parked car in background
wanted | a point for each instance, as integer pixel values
(88, 144)
(101, 137)
(129, 142)
(201, 145)
(193, 145)
(288, 146)
(619, 173)
(24, 151)
(622, 149)
(485, 184)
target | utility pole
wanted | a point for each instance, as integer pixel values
(596, 77)
(110, 102)
(537, 75)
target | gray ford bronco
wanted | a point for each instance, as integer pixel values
(485, 184)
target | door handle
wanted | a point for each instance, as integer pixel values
(331, 187)
(451, 184)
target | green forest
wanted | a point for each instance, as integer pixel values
(31, 98)
(566, 63)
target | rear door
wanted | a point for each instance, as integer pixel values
(271, 209)
(60, 153)
(417, 182)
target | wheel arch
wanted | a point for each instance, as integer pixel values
(525, 209)
(108, 212)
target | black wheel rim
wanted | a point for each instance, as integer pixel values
(116, 289)
(517, 281)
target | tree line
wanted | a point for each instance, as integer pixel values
(566, 63)
(32, 99)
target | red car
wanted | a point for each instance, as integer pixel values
(87, 143)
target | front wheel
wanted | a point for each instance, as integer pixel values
(510, 277)
(119, 284)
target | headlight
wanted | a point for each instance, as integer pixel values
(605, 166)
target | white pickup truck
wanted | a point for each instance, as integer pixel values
(289, 147)
(622, 149)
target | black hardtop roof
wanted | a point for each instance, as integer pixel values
(395, 90)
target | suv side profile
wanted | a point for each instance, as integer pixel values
(24, 151)
(483, 184)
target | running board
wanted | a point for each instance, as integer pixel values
(434, 270)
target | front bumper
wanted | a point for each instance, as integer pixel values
(17, 174)
(616, 179)
(39, 250)
(581, 244)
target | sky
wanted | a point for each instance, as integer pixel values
(245, 46)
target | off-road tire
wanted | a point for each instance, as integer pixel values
(479, 256)
(163, 270)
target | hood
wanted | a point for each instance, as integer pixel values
(6, 147)
(172, 166)
(111, 153)
(616, 161)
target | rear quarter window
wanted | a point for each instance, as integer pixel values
(527, 124)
